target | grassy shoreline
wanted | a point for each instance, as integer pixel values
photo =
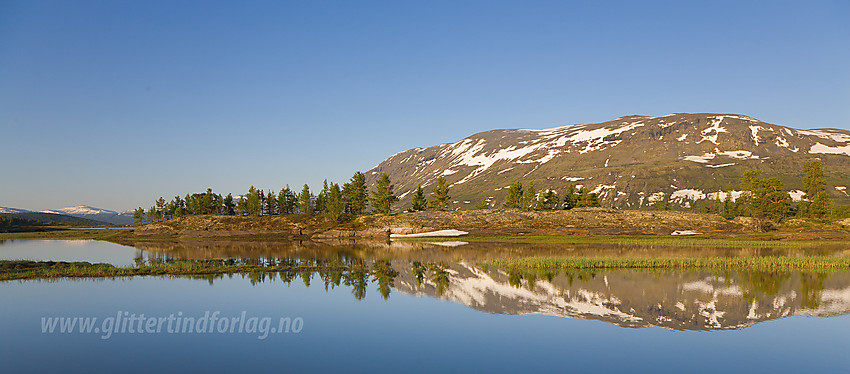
(736, 263)
(756, 241)
(20, 270)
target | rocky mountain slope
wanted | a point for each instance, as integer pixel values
(630, 162)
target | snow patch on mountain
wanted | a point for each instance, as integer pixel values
(754, 131)
(823, 134)
(687, 194)
(796, 195)
(720, 165)
(711, 133)
(825, 149)
(704, 159)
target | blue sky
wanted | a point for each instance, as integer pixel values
(115, 103)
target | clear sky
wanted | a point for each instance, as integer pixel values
(115, 103)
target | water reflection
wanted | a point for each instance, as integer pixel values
(682, 300)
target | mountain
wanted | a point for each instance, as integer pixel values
(630, 162)
(46, 218)
(97, 214)
(7, 210)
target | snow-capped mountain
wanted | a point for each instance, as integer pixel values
(105, 215)
(629, 162)
(7, 210)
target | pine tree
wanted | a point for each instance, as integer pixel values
(153, 214)
(355, 194)
(262, 199)
(549, 200)
(335, 206)
(286, 201)
(321, 198)
(271, 203)
(816, 202)
(529, 197)
(765, 197)
(160, 207)
(252, 203)
(383, 198)
(305, 200)
(729, 209)
(139, 215)
(229, 207)
(570, 199)
(440, 195)
(483, 204)
(418, 203)
(514, 198)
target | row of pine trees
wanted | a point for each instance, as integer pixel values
(763, 198)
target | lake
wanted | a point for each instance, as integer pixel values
(422, 307)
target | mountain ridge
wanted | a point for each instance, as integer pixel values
(631, 161)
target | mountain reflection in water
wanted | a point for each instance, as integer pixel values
(698, 299)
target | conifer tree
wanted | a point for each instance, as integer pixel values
(418, 203)
(816, 202)
(514, 198)
(765, 197)
(305, 200)
(729, 209)
(286, 201)
(570, 199)
(548, 200)
(139, 215)
(383, 198)
(160, 207)
(529, 197)
(271, 203)
(440, 195)
(355, 194)
(228, 208)
(252, 203)
(153, 214)
(335, 205)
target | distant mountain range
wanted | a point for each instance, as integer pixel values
(95, 215)
(630, 162)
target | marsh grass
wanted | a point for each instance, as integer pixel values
(754, 241)
(11, 270)
(742, 263)
(62, 234)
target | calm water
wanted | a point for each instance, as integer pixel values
(68, 250)
(430, 308)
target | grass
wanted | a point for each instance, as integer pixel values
(741, 263)
(751, 241)
(62, 234)
(12, 270)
